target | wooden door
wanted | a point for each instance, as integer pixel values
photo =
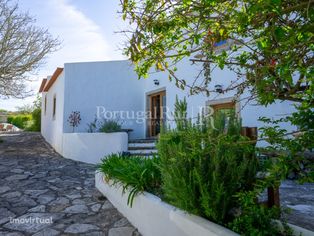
(157, 104)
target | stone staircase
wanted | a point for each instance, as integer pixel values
(142, 147)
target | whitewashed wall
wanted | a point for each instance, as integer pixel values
(114, 85)
(111, 84)
(154, 217)
(92, 147)
(249, 113)
(52, 128)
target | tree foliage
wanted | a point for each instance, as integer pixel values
(23, 46)
(271, 54)
(270, 51)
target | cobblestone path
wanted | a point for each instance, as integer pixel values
(42, 193)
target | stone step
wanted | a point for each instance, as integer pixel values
(142, 155)
(142, 151)
(140, 145)
(142, 148)
(142, 140)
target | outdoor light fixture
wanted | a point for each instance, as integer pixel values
(156, 81)
(218, 88)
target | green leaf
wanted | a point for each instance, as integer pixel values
(279, 33)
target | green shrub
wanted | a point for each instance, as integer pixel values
(207, 169)
(35, 124)
(21, 121)
(255, 219)
(92, 126)
(203, 167)
(138, 173)
(109, 126)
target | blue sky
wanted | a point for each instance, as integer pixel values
(86, 29)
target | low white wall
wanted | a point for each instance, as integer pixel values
(154, 217)
(92, 147)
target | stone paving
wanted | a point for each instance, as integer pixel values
(44, 194)
(37, 183)
(299, 199)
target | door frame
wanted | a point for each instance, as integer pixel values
(148, 96)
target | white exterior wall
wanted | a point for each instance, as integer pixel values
(92, 147)
(153, 217)
(249, 113)
(113, 85)
(52, 128)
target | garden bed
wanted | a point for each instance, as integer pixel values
(153, 217)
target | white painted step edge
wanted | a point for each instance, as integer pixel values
(142, 151)
(142, 145)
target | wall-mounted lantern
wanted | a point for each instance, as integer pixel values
(218, 88)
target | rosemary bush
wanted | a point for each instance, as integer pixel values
(203, 167)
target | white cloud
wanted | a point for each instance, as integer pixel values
(81, 38)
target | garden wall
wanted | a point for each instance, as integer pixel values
(92, 147)
(154, 217)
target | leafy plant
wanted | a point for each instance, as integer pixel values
(255, 219)
(202, 167)
(180, 113)
(135, 173)
(260, 38)
(36, 116)
(267, 44)
(74, 119)
(92, 126)
(20, 121)
(35, 124)
(295, 150)
(109, 126)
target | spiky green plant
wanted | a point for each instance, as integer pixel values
(137, 174)
(202, 166)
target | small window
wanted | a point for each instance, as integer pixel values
(54, 107)
(225, 108)
(45, 105)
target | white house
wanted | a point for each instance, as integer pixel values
(111, 89)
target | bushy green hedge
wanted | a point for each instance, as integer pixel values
(20, 121)
(203, 167)
(35, 124)
(29, 122)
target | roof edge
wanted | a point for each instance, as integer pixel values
(53, 79)
(42, 86)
